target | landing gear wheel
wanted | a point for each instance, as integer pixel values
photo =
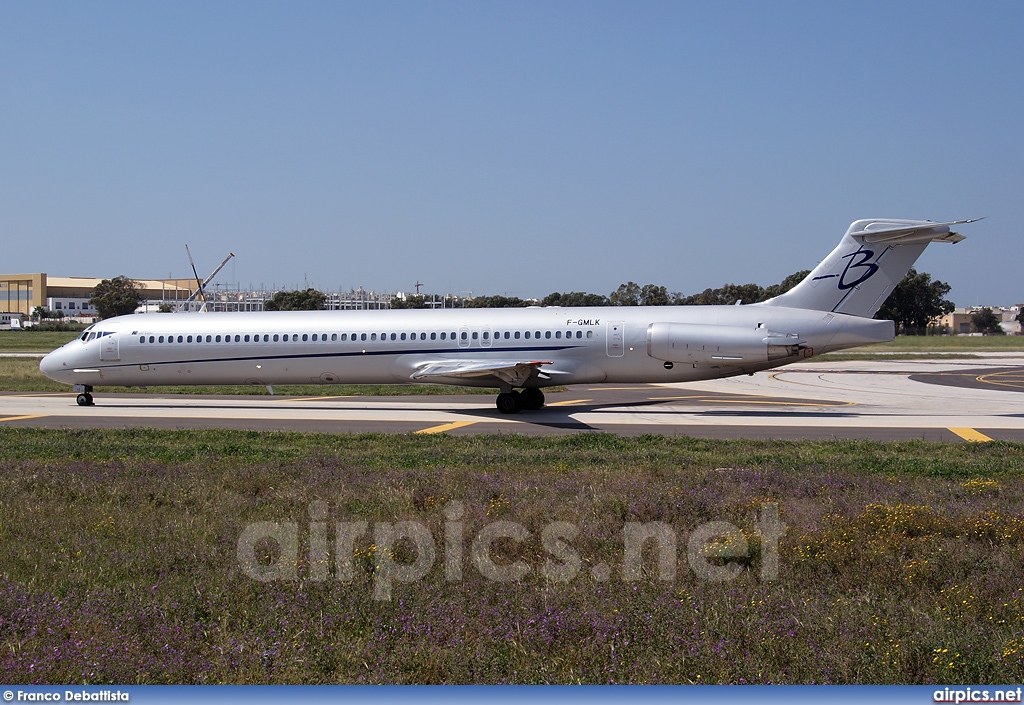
(509, 403)
(85, 399)
(532, 399)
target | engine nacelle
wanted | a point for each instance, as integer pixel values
(718, 345)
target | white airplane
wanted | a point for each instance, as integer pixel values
(520, 351)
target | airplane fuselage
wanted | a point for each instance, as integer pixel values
(576, 345)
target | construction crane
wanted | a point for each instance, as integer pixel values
(200, 284)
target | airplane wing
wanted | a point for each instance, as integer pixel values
(514, 372)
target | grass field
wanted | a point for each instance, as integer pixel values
(33, 340)
(19, 374)
(947, 343)
(902, 562)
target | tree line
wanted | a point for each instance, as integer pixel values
(914, 304)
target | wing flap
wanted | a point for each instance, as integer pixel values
(514, 372)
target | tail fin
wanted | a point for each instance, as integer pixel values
(871, 259)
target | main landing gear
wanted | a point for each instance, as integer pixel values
(513, 402)
(85, 398)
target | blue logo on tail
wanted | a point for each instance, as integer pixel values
(858, 264)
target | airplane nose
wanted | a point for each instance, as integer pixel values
(51, 366)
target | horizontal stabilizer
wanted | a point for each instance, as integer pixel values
(899, 232)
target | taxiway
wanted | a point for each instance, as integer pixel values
(974, 399)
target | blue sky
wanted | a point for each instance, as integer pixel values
(511, 148)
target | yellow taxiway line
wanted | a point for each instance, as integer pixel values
(22, 418)
(446, 427)
(969, 434)
(567, 402)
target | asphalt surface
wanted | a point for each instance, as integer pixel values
(935, 400)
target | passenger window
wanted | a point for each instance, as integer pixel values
(209, 339)
(334, 337)
(547, 335)
(516, 336)
(443, 335)
(142, 339)
(536, 335)
(373, 336)
(275, 337)
(363, 336)
(394, 336)
(487, 336)
(305, 337)
(474, 335)
(463, 335)
(151, 339)
(181, 339)
(433, 336)
(590, 334)
(238, 339)
(188, 339)
(506, 335)
(579, 334)
(284, 338)
(403, 336)
(161, 339)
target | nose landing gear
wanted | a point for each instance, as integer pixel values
(85, 395)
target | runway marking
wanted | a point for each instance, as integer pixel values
(567, 402)
(618, 389)
(340, 396)
(969, 434)
(22, 418)
(43, 394)
(986, 379)
(446, 427)
(775, 376)
(721, 400)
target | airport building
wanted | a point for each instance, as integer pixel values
(960, 321)
(22, 293)
(69, 296)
